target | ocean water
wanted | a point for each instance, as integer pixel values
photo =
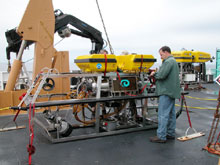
(213, 71)
(29, 66)
(3, 66)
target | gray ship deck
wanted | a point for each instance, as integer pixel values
(124, 149)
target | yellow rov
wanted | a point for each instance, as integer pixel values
(110, 62)
(191, 56)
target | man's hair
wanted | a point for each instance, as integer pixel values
(165, 49)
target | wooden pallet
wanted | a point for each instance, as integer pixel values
(12, 128)
(192, 136)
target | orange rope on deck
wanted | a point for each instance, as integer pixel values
(6, 108)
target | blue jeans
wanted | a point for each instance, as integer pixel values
(166, 117)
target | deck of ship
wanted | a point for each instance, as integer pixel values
(124, 149)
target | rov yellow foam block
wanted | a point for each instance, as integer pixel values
(199, 57)
(97, 63)
(182, 56)
(191, 56)
(133, 62)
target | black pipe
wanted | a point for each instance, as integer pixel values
(85, 101)
(82, 101)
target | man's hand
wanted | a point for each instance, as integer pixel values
(152, 73)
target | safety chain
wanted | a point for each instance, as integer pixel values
(30, 147)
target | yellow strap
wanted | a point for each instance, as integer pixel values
(197, 98)
(197, 107)
(3, 109)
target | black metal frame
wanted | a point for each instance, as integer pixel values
(97, 133)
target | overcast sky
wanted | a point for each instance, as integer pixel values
(138, 26)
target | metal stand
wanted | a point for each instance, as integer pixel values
(126, 120)
(195, 134)
(96, 131)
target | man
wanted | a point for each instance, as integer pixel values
(168, 89)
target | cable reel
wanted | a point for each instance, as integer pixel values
(49, 84)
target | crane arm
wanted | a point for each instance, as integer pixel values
(85, 30)
(61, 22)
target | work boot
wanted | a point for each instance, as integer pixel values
(155, 139)
(170, 137)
